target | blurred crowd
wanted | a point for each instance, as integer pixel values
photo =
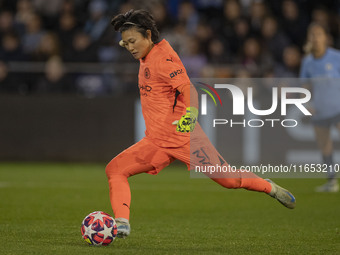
(53, 41)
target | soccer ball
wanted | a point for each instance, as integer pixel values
(99, 228)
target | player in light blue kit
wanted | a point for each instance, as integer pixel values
(322, 70)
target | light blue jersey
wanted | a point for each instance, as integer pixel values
(324, 75)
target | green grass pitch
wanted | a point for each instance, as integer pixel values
(42, 206)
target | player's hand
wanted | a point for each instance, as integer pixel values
(188, 121)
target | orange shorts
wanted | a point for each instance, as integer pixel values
(199, 151)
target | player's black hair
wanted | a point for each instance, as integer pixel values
(140, 19)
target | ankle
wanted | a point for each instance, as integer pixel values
(122, 220)
(273, 190)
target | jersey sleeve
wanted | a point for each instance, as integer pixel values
(172, 71)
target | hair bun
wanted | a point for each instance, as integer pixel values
(128, 13)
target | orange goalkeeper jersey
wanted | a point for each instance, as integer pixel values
(161, 72)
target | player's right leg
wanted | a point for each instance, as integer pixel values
(250, 181)
(142, 157)
(203, 154)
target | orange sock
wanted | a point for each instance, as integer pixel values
(117, 172)
(120, 196)
(256, 184)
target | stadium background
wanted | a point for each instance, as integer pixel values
(68, 91)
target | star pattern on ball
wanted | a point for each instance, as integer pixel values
(97, 232)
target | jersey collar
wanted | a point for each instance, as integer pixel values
(153, 51)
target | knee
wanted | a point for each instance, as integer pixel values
(116, 169)
(111, 168)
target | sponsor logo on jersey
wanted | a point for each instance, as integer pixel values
(175, 73)
(144, 90)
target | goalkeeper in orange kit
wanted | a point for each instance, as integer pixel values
(170, 110)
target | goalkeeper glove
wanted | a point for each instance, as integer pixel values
(188, 121)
